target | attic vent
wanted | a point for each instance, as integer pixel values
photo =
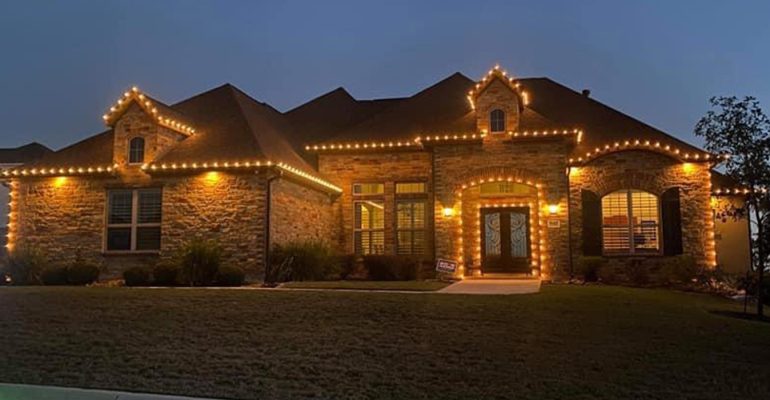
(586, 93)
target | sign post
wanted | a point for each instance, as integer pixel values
(446, 266)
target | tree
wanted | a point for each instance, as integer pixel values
(741, 129)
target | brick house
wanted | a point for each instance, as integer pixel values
(501, 175)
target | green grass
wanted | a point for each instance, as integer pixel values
(415, 286)
(589, 342)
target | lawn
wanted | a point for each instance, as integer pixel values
(589, 342)
(411, 286)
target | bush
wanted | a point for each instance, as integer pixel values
(82, 273)
(678, 269)
(348, 265)
(166, 273)
(54, 275)
(24, 266)
(137, 276)
(589, 268)
(391, 268)
(302, 261)
(607, 274)
(638, 273)
(230, 276)
(200, 262)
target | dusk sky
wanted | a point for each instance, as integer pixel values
(64, 63)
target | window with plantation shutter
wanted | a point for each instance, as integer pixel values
(133, 220)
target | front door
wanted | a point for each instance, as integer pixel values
(505, 240)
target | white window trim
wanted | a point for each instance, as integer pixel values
(134, 225)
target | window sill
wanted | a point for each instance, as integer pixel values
(117, 253)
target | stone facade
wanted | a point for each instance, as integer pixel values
(136, 123)
(298, 213)
(653, 173)
(388, 168)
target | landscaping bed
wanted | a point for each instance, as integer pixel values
(588, 342)
(412, 286)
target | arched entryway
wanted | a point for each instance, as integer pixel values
(500, 229)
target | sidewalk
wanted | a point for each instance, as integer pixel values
(10, 391)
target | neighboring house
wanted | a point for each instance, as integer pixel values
(501, 175)
(14, 158)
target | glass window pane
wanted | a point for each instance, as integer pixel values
(411, 187)
(136, 150)
(377, 242)
(497, 121)
(368, 188)
(505, 189)
(118, 238)
(404, 240)
(120, 206)
(149, 206)
(370, 215)
(148, 238)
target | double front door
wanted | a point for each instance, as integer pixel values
(505, 246)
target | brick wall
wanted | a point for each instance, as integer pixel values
(540, 162)
(298, 213)
(345, 169)
(653, 173)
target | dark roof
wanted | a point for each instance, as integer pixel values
(600, 123)
(722, 181)
(23, 154)
(330, 113)
(444, 109)
(231, 126)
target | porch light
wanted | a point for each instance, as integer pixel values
(553, 209)
(449, 212)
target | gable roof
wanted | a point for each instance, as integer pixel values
(23, 154)
(230, 126)
(444, 109)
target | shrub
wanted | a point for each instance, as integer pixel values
(200, 262)
(678, 269)
(54, 275)
(589, 268)
(137, 276)
(348, 265)
(302, 261)
(607, 274)
(230, 276)
(391, 268)
(166, 273)
(638, 273)
(82, 273)
(24, 266)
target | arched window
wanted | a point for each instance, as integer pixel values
(497, 121)
(136, 151)
(630, 222)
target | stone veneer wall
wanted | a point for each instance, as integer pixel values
(654, 173)
(344, 169)
(65, 217)
(137, 123)
(298, 213)
(227, 208)
(540, 161)
(731, 235)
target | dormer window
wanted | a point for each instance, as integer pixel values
(497, 121)
(136, 151)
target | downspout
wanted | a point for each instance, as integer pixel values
(269, 200)
(569, 224)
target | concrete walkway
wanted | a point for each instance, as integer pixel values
(9, 391)
(493, 286)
